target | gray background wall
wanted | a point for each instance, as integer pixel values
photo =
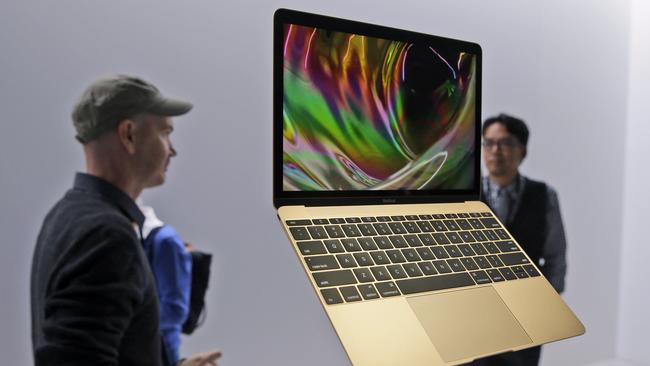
(567, 67)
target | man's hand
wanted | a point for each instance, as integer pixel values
(202, 359)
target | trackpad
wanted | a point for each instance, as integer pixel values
(468, 323)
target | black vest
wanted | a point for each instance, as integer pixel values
(528, 226)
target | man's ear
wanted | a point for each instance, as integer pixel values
(126, 135)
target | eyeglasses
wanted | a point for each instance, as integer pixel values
(505, 144)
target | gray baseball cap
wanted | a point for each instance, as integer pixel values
(108, 101)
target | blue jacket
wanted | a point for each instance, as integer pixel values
(171, 265)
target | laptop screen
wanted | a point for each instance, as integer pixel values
(369, 111)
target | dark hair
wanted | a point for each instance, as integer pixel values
(514, 125)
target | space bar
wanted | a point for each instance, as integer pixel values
(423, 284)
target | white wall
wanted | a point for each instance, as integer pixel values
(634, 296)
(561, 65)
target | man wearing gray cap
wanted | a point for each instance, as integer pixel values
(93, 294)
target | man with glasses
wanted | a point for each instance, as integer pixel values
(529, 209)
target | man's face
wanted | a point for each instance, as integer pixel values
(154, 148)
(502, 152)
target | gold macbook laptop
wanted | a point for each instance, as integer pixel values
(376, 181)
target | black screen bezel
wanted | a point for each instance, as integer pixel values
(312, 198)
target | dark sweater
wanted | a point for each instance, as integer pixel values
(93, 295)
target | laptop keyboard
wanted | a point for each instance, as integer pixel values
(365, 258)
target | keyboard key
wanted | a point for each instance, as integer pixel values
(311, 247)
(453, 251)
(490, 223)
(363, 275)
(438, 225)
(466, 250)
(351, 245)
(426, 217)
(454, 237)
(346, 260)
(495, 275)
(507, 246)
(382, 228)
(334, 231)
(350, 293)
(413, 240)
(451, 216)
(491, 248)
(519, 271)
(387, 289)
(479, 249)
(331, 296)
(427, 239)
(494, 261)
(508, 274)
(351, 230)
(368, 219)
(480, 277)
(482, 262)
(451, 225)
(467, 236)
(441, 238)
(383, 219)
(411, 227)
(398, 241)
(425, 226)
(463, 215)
(491, 235)
(412, 270)
(397, 227)
(383, 242)
(317, 232)
(299, 233)
(434, 283)
(463, 224)
(363, 259)
(395, 256)
(455, 265)
(441, 266)
(397, 218)
(352, 220)
(469, 264)
(334, 246)
(337, 221)
(304, 222)
(479, 235)
(380, 257)
(411, 255)
(367, 244)
(321, 221)
(486, 214)
(321, 262)
(412, 217)
(438, 216)
(367, 230)
(368, 292)
(425, 254)
(502, 234)
(476, 223)
(380, 273)
(439, 252)
(396, 271)
(474, 214)
(532, 272)
(427, 268)
(334, 278)
(514, 258)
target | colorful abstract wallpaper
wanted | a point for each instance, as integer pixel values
(364, 113)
